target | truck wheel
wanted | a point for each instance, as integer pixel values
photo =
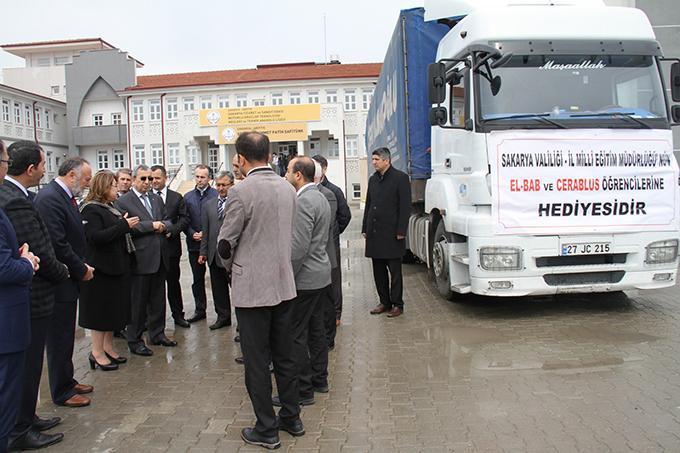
(440, 264)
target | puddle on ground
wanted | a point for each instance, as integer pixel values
(604, 335)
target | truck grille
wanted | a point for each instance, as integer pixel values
(581, 260)
(583, 278)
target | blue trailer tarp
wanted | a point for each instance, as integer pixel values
(398, 116)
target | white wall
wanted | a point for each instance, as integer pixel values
(106, 108)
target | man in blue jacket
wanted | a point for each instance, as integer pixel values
(195, 201)
(17, 265)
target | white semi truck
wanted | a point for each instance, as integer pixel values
(537, 135)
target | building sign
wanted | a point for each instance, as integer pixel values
(280, 132)
(257, 115)
(557, 182)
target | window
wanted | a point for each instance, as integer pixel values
(98, 119)
(102, 160)
(223, 102)
(55, 89)
(295, 97)
(49, 162)
(17, 113)
(188, 104)
(140, 154)
(277, 98)
(28, 110)
(173, 154)
(356, 190)
(116, 118)
(213, 158)
(118, 159)
(60, 61)
(350, 100)
(43, 61)
(351, 146)
(137, 111)
(157, 154)
(366, 98)
(206, 102)
(331, 96)
(38, 117)
(192, 153)
(155, 110)
(457, 102)
(333, 149)
(5, 110)
(241, 100)
(171, 109)
(258, 102)
(48, 125)
(313, 97)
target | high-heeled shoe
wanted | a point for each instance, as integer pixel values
(94, 364)
(119, 359)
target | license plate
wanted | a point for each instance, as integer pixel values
(585, 248)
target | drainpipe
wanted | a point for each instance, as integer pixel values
(163, 131)
(129, 145)
(35, 126)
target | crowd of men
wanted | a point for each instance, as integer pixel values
(253, 227)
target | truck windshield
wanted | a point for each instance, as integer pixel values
(574, 91)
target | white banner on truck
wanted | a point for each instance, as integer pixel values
(565, 182)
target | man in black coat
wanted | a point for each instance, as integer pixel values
(26, 170)
(58, 207)
(388, 206)
(148, 273)
(176, 213)
(342, 218)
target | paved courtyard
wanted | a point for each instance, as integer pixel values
(596, 373)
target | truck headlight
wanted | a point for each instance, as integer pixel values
(662, 252)
(500, 258)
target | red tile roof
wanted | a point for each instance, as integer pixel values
(263, 73)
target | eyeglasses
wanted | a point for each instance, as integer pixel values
(145, 178)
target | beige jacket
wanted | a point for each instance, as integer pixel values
(258, 225)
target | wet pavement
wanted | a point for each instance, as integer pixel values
(595, 373)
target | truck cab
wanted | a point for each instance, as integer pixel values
(552, 165)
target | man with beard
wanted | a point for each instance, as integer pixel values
(58, 207)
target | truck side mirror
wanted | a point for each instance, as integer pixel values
(675, 81)
(675, 113)
(437, 116)
(436, 90)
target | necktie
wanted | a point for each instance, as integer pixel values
(220, 207)
(74, 202)
(147, 204)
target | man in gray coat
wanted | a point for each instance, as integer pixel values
(212, 217)
(148, 275)
(260, 211)
(311, 266)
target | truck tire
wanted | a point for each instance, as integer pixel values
(440, 264)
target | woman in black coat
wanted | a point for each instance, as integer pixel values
(105, 300)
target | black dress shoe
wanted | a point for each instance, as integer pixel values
(220, 323)
(182, 323)
(140, 349)
(163, 341)
(321, 389)
(119, 359)
(239, 360)
(34, 440)
(276, 401)
(111, 366)
(43, 424)
(294, 428)
(237, 338)
(250, 436)
(196, 317)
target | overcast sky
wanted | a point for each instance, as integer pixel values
(199, 35)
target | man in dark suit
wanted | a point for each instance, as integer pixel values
(26, 169)
(148, 273)
(388, 206)
(123, 181)
(195, 201)
(58, 207)
(176, 213)
(213, 215)
(342, 219)
(312, 269)
(17, 265)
